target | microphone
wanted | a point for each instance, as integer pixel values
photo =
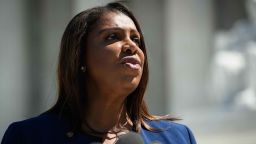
(130, 138)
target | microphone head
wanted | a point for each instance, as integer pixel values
(130, 138)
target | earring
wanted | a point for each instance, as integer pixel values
(83, 68)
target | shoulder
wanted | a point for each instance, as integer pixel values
(34, 129)
(170, 132)
(41, 122)
(167, 125)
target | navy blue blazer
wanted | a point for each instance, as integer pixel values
(50, 129)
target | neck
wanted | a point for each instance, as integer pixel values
(104, 111)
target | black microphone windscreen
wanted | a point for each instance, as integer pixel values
(130, 138)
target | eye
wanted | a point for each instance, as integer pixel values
(136, 39)
(111, 36)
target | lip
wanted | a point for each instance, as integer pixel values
(131, 61)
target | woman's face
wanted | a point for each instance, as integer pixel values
(113, 57)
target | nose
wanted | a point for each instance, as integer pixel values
(129, 48)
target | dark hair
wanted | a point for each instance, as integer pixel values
(71, 89)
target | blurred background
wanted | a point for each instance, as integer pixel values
(202, 56)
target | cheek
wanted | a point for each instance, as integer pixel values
(101, 57)
(142, 56)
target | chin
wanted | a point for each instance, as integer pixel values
(130, 83)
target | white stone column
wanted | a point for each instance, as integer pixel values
(13, 69)
(189, 26)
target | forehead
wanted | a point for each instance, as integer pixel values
(115, 19)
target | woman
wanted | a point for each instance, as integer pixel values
(102, 78)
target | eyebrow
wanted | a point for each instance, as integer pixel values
(116, 29)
